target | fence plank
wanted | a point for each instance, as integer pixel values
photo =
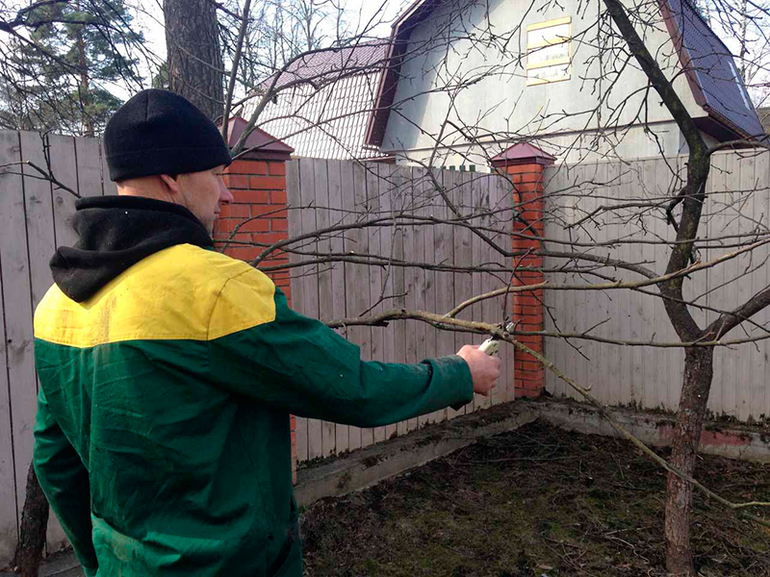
(327, 434)
(11, 210)
(38, 205)
(499, 201)
(650, 320)
(375, 187)
(401, 178)
(716, 276)
(748, 285)
(294, 200)
(443, 249)
(8, 511)
(727, 297)
(505, 201)
(339, 284)
(387, 238)
(421, 192)
(760, 392)
(364, 181)
(555, 182)
(445, 282)
(17, 293)
(424, 298)
(464, 256)
(631, 189)
(89, 166)
(481, 257)
(108, 187)
(309, 282)
(679, 167)
(355, 179)
(671, 365)
(410, 274)
(64, 167)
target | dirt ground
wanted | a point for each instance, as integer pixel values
(534, 502)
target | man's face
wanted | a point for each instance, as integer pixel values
(203, 193)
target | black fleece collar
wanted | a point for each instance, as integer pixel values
(116, 232)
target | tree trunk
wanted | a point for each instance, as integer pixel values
(194, 58)
(698, 373)
(84, 88)
(34, 522)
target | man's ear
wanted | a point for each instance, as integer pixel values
(171, 181)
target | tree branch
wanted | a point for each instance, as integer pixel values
(444, 321)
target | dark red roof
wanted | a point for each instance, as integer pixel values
(523, 151)
(328, 65)
(257, 140)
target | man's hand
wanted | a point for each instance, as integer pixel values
(484, 369)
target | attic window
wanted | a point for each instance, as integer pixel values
(548, 51)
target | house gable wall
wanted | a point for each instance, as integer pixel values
(500, 101)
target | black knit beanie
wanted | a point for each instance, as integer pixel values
(159, 132)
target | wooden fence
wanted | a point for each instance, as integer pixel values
(34, 220)
(738, 202)
(325, 193)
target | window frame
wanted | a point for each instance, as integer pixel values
(553, 62)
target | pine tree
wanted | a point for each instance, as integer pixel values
(61, 76)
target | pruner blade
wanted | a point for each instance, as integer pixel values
(491, 346)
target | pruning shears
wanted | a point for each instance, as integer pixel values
(491, 346)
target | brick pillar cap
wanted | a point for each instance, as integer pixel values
(523, 153)
(266, 146)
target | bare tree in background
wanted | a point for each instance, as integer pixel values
(194, 64)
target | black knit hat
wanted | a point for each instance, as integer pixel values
(159, 132)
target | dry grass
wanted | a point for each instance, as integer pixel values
(536, 501)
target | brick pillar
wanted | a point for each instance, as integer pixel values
(258, 213)
(524, 164)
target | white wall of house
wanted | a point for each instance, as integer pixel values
(503, 108)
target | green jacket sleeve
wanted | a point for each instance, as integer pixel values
(299, 365)
(64, 481)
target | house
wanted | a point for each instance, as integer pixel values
(324, 101)
(467, 79)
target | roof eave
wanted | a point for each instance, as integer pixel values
(685, 59)
(378, 120)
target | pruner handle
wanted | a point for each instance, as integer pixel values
(491, 346)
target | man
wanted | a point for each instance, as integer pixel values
(168, 371)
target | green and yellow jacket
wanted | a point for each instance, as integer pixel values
(168, 372)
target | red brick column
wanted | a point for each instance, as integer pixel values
(525, 164)
(258, 214)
